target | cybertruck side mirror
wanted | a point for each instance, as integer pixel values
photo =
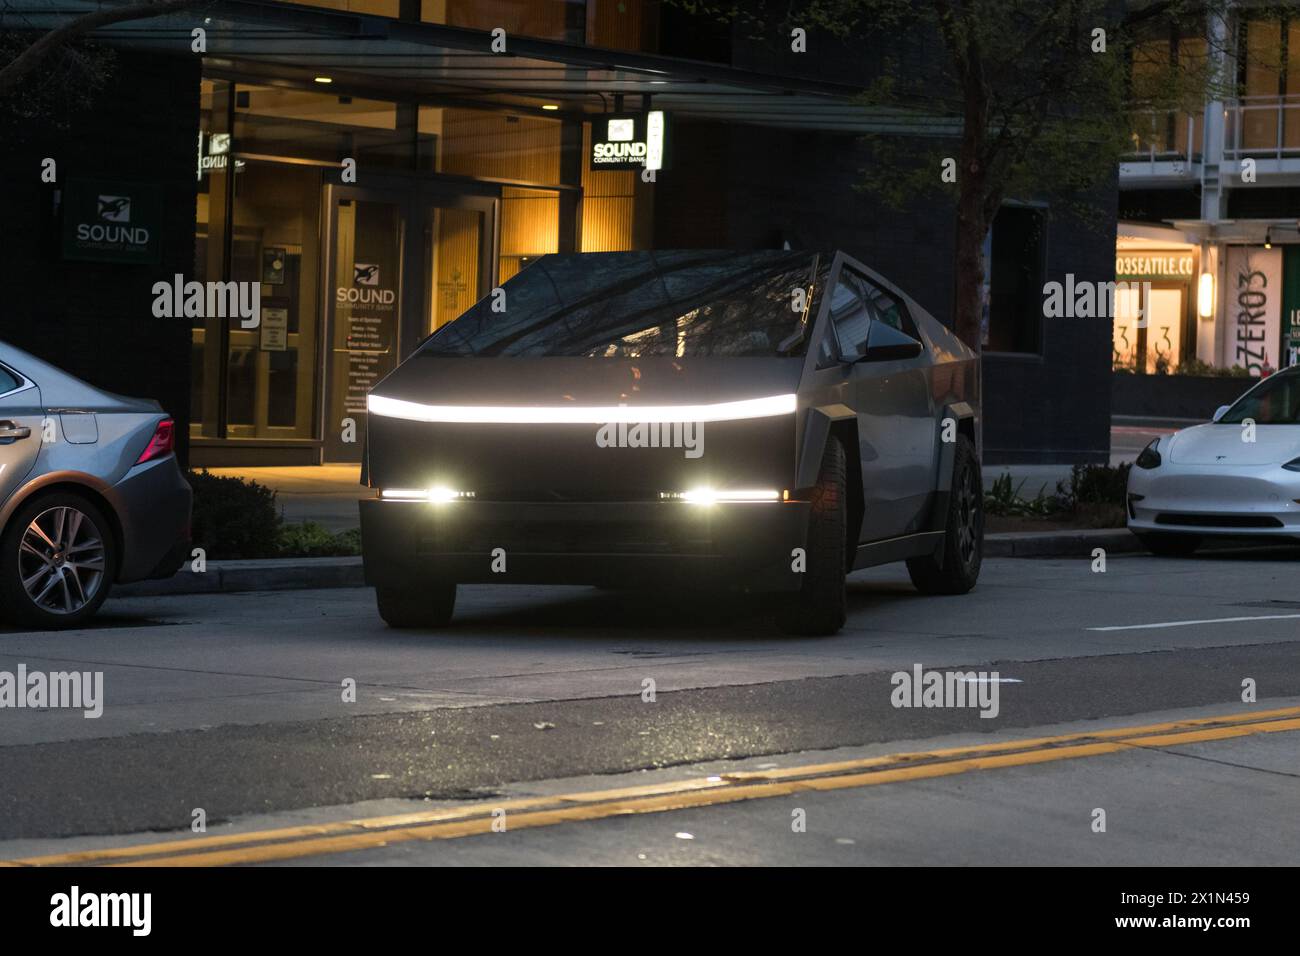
(1218, 412)
(887, 344)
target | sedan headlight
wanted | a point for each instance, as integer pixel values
(1150, 457)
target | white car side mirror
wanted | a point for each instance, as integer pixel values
(1218, 412)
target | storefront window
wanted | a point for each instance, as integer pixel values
(612, 219)
(490, 144)
(377, 8)
(271, 372)
(542, 19)
(274, 121)
(530, 227)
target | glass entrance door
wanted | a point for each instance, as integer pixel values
(400, 267)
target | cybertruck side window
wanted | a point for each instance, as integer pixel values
(849, 316)
(693, 303)
(885, 308)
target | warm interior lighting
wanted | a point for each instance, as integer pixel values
(579, 414)
(1205, 296)
(550, 106)
(324, 79)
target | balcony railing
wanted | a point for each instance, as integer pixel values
(1163, 136)
(1263, 127)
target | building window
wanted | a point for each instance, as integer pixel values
(1269, 74)
(1162, 131)
(1016, 269)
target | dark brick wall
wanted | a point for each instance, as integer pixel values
(750, 187)
(94, 319)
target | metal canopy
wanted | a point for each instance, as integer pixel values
(386, 58)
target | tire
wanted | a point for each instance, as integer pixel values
(425, 607)
(58, 559)
(820, 606)
(1167, 545)
(963, 540)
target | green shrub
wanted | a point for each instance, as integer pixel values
(233, 518)
(1095, 485)
(1004, 499)
(311, 540)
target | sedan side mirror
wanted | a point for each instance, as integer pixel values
(1218, 412)
(887, 344)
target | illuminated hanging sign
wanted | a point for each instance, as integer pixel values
(630, 141)
(1155, 265)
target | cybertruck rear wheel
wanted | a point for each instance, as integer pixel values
(58, 557)
(820, 606)
(426, 607)
(963, 543)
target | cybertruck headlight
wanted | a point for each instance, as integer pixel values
(434, 495)
(709, 496)
(766, 407)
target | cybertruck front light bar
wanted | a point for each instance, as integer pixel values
(767, 407)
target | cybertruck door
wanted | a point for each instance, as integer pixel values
(21, 413)
(896, 426)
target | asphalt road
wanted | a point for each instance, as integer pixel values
(235, 704)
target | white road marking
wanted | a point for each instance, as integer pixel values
(1215, 620)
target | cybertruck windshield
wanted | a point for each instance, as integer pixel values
(644, 304)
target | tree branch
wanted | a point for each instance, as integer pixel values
(30, 58)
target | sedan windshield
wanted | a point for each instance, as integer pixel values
(1275, 401)
(643, 304)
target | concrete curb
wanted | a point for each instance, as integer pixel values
(286, 574)
(1060, 544)
(272, 574)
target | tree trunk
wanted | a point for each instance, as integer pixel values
(968, 296)
(972, 215)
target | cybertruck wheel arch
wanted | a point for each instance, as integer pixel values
(963, 415)
(820, 423)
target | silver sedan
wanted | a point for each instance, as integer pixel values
(1238, 475)
(90, 493)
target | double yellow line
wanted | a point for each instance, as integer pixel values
(268, 846)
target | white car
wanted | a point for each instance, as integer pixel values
(1238, 475)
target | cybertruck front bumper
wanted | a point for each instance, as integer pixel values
(407, 544)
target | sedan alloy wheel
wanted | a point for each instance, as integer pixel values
(62, 559)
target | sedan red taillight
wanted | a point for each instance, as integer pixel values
(162, 443)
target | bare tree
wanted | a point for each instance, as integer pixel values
(32, 55)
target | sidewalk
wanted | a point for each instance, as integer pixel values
(326, 494)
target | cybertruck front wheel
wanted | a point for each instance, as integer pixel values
(820, 606)
(426, 607)
(963, 541)
(57, 561)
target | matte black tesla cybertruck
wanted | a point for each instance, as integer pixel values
(768, 420)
